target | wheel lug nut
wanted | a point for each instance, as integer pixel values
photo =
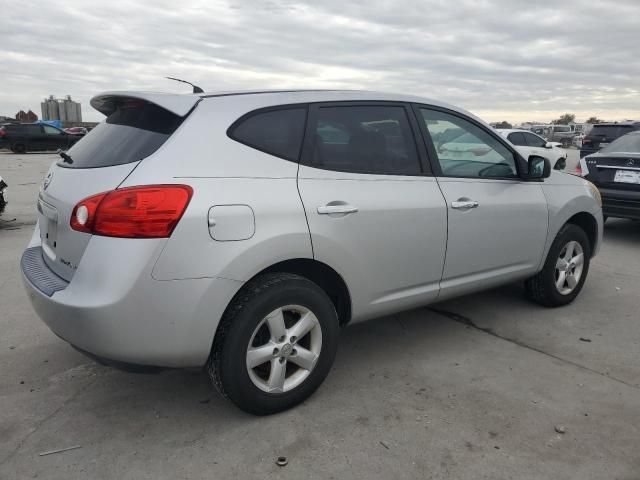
(281, 359)
(293, 352)
(293, 339)
(282, 338)
(275, 351)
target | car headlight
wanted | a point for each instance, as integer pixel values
(595, 193)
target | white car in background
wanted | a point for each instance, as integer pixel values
(528, 143)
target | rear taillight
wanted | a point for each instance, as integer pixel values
(582, 170)
(578, 170)
(3, 132)
(150, 211)
(586, 141)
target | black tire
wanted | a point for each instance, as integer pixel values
(18, 148)
(541, 288)
(227, 363)
(561, 164)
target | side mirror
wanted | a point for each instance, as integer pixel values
(538, 167)
(548, 145)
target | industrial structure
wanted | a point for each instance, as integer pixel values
(65, 110)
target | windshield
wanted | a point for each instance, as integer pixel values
(629, 143)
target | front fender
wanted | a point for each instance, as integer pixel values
(565, 200)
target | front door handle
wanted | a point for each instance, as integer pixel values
(464, 204)
(341, 208)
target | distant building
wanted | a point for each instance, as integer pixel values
(26, 117)
(65, 110)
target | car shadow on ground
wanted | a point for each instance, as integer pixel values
(368, 351)
(622, 230)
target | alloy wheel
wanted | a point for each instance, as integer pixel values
(284, 349)
(569, 267)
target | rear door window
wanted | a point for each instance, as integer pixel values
(534, 140)
(277, 132)
(135, 130)
(517, 138)
(373, 139)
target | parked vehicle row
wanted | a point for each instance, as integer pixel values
(35, 137)
(238, 231)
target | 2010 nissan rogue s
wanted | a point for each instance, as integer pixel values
(240, 230)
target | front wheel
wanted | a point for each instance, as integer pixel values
(565, 269)
(275, 344)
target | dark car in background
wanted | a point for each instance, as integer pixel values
(615, 170)
(34, 137)
(602, 134)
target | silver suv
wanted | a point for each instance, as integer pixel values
(239, 231)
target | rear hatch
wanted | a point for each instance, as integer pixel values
(134, 129)
(602, 135)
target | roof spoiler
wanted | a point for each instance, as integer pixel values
(107, 102)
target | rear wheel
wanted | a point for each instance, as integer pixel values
(18, 148)
(275, 344)
(565, 269)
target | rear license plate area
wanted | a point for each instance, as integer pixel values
(48, 221)
(627, 176)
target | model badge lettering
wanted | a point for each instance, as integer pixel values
(68, 263)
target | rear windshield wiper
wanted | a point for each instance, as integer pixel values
(65, 158)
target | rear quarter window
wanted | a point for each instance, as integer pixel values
(276, 132)
(135, 130)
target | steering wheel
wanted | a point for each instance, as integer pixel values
(482, 173)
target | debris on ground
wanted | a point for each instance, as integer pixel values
(384, 445)
(282, 461)
(560, 429)
(584, 339)
(59, 450)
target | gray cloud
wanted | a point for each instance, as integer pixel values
(502, 59)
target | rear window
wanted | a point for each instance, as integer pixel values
(135, 130)
(625, 144)
(277, 132)
(610, 131)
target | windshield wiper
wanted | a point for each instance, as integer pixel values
(65, 158)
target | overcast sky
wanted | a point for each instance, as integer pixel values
(505, 59)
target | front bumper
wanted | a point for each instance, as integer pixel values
(620, 203)
(113, 309)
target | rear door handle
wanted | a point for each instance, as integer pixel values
(464, 204)
(331, 209)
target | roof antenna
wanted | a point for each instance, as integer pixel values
(196, 89)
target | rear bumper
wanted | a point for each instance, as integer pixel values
(113, 309)
(620, 203)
